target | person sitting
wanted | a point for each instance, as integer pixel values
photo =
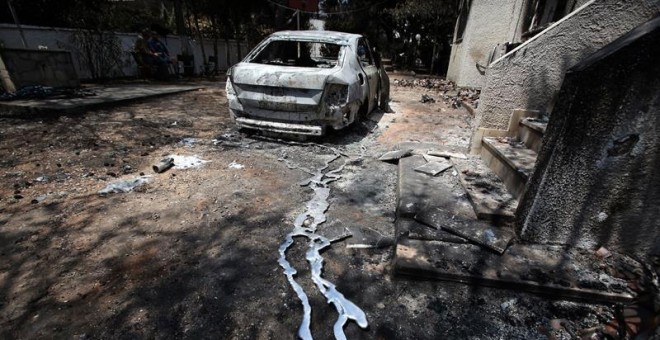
(159, 50)
(162, 55)
(143, 55)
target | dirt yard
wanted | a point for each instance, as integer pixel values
(193, 253)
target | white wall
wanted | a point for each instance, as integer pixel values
(489, 23)
(530, 76)
(60, 38)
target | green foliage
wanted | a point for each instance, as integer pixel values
(391, 25)
(395, 25)
(112, 15)
(424, 26)
(369, 17)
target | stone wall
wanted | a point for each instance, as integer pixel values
(597, 177)
(40, 67)
(489, 23)
(530, 76)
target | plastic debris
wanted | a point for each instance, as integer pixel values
(187, 162)
(234, 165)
(124, 185)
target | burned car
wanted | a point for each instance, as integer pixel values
(302, 82)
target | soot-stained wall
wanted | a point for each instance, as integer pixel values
(597, 178)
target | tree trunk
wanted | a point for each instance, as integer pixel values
(215, 45)
(7, 83)
(238, 49)
(227, 52)
(181, 27)
(201, 40)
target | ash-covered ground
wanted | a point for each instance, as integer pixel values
(193, 253)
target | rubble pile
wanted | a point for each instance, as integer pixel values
(469, 96)
(429, 83)
(41, 92)
(451, 95)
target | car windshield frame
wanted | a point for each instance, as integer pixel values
(298, 57)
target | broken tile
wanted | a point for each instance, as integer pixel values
(419, 147)
(480, 232)
(407, 227)
(417, 191)
(430, 158)
(395, 155)
(548, 270)
(447, 154)
(434, 168)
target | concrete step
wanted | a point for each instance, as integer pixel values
(531, 132)
(488, 195)
(437, 208)
(548, 270)
(511, 160)
(481, 233)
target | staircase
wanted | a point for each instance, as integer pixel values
(458, 226)
(513, 158)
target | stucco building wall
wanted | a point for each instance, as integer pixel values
(530, 76)
(490, 22)
(596, 181)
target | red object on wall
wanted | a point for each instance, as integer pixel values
(305, 5)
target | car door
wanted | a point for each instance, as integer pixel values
(371, 71)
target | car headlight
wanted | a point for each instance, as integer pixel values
(229, 87)
(337, 94)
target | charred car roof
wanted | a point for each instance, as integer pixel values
(340, 38)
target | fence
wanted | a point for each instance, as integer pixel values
(62, 38)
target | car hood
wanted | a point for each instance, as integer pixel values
(282, 76)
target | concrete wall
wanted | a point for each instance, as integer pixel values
(60, 38)
(529, 77)
(490, 22)
(597, 177)
(40, 67)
